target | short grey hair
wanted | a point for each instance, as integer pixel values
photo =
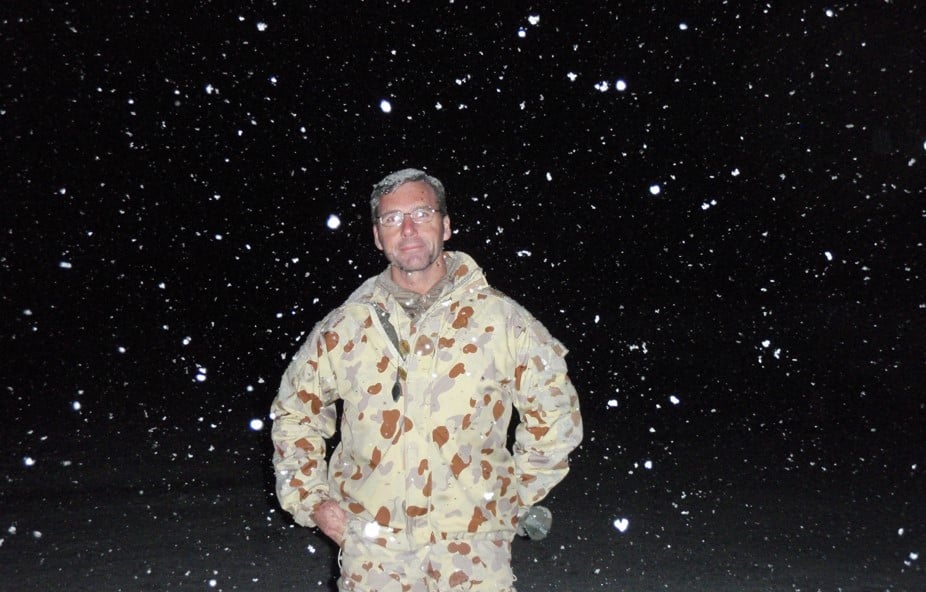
(393, 181)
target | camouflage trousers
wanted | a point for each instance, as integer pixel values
(386, 562)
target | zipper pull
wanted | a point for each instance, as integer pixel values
(397, 387)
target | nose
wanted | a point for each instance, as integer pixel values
(408, 227)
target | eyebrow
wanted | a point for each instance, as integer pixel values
(427, 207)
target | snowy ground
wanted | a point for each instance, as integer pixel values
(157, 512)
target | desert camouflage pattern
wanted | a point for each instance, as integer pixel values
(432, 465)
(380, 562)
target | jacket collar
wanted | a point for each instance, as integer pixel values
(461, 270)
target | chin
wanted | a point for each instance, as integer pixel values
(411, 266)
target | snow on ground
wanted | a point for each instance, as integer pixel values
(134, 514)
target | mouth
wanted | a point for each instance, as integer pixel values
(411, 246)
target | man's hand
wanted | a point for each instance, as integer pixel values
(331, 519)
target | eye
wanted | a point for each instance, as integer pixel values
(393, 218)
(420, 214)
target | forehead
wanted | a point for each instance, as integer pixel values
(413, 193)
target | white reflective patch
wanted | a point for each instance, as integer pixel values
(371, 530)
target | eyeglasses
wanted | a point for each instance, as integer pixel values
(396, 218)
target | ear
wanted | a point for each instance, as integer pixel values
(447, 232)
(376, 241)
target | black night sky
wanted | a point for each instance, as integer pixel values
(718, 207)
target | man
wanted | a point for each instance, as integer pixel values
(428, 360)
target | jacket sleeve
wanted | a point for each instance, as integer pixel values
(304, 416)
(550, 423)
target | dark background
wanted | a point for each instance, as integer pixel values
(169, 170)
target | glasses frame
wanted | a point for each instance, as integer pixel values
(430, 214)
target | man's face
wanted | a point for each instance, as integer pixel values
(411, 247)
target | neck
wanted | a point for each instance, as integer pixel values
(421, 281)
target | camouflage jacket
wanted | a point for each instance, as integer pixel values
(424, 425)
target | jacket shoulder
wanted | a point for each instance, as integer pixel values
(360, 297)
(362, 294)
(521, 319)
